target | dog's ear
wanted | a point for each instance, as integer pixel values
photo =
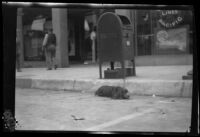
(123, 93)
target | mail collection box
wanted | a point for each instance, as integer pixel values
(115, 42)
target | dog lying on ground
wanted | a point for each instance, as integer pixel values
(112, 92)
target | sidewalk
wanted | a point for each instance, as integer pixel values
(149, 80)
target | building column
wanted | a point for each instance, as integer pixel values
(134, 20)
(20, 34)
(59, 23)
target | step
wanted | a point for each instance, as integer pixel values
(168, 88)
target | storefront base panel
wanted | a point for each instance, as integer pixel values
(162, 60)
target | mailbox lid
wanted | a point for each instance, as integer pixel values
(109, 37)
(109, 22)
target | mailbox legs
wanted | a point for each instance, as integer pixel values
(133, 61)
(122, 73)
(112, 65)
(100, 71)
(93, 52)
(123, 69)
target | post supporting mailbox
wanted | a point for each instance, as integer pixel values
(115, 43)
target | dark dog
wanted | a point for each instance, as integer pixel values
(112, 92)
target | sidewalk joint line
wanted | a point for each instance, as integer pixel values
(117, 121)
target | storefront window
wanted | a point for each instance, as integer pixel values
(164, 32)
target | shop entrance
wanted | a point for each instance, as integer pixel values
(81, 24)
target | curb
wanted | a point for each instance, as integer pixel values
(167, 88)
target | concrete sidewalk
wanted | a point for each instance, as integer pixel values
(149, 80)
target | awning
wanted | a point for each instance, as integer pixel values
(38, 24)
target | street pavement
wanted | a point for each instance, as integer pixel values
(159, 80)
(77, 111)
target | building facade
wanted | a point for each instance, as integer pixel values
(161, 37)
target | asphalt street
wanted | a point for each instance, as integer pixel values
(66, 110)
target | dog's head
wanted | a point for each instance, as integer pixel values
(121, 93)
(125, 95)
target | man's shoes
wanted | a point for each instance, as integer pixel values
(49, 69)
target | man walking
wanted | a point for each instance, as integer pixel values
(49, 45)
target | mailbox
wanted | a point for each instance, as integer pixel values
(115, 43)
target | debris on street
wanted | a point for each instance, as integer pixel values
(75, 118)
